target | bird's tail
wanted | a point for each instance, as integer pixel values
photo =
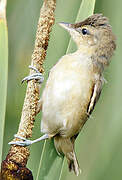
(66, 146)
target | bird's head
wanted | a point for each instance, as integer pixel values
(93, 36)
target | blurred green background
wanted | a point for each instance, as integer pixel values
(99, 146)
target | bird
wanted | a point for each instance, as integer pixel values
(74, 85)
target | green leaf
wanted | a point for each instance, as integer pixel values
(51, 165)
(3, 78)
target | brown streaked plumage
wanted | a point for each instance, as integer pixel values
(74, 85)
(96, 20)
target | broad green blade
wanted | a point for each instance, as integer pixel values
(51, 165)
(3, 78)
(86, 9)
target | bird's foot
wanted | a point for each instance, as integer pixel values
(27, 142)
(36, 76)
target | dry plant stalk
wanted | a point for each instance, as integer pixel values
(17, 157)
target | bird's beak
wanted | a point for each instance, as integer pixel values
(66, 26)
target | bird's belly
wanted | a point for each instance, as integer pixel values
(65, 101)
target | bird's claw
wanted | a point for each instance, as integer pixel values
(25, 141)
(36, 76)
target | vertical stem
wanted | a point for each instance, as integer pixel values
(3, 70)
(18, 156)
(45, 23)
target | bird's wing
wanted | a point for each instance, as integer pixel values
(94, 98)
(95, 95)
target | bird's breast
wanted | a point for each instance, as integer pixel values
(66, 97)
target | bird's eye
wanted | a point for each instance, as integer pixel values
(84, 31)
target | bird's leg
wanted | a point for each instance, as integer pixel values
(37, 76)
(27, 142)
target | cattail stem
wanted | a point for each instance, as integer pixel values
(18, 156)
